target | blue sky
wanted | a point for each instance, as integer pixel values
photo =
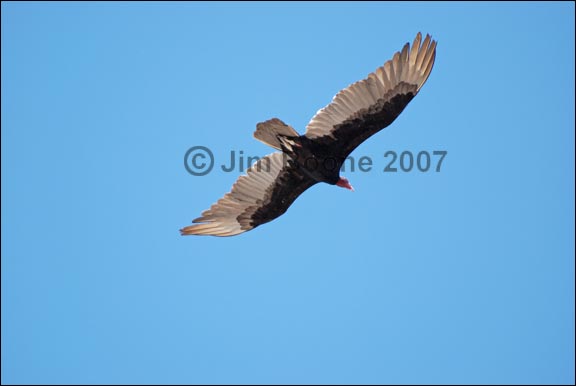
(460, 276)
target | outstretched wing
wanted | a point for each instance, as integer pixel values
(265, 192)
(366, 107)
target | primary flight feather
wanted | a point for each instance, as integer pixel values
(362, 109)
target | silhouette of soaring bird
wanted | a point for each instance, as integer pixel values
(362, 109)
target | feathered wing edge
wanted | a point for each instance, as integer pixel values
(264, 193)
(411, 66)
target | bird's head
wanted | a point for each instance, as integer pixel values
(344, 183)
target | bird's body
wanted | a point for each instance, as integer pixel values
(272, 184)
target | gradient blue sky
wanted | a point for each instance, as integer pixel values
(461, 276)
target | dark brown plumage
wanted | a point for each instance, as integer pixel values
(362, 109)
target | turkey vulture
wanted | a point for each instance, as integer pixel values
(362, 109)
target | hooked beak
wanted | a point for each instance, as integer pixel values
(344, 183)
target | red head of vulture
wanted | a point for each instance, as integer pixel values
(362, 109)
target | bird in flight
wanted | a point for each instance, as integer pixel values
(357, 112)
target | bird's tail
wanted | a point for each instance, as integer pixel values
(269, 132)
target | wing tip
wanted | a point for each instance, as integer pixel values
(208, 229)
